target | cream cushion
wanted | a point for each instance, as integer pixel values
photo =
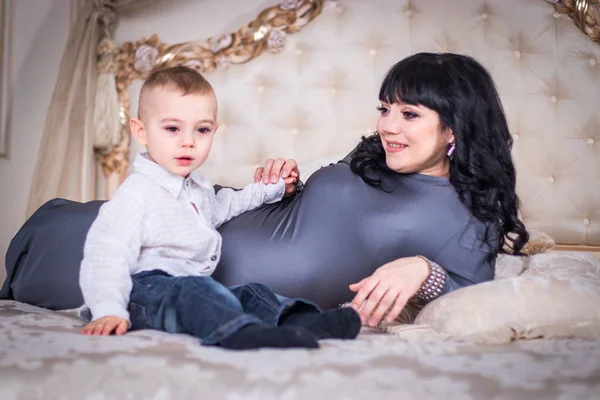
(550, 295)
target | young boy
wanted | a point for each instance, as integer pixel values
(149, 255)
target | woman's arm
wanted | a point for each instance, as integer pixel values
(465, 259)
(388, 288)
(391, 286)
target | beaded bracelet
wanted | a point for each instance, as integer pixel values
(299, 186)
(433, 286)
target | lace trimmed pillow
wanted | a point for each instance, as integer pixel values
(506, 267)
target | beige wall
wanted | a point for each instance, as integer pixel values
(39, 34)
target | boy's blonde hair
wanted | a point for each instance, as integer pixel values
(181, 78)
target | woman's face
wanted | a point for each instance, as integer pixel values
(413, 139)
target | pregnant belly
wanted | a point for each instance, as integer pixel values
(297, 250)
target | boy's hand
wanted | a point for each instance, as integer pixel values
(106, 325)
(274, 169)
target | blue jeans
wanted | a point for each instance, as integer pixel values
(202, 307)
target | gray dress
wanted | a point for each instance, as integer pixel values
(340, 230)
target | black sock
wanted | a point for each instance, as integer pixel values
(256, 336)
(341, 323)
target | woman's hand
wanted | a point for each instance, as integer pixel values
(273, 169)
(389, 288)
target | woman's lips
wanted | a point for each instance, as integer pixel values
(395, 147)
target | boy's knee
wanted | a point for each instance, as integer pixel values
(201, 288)
(253, 290)
(257, 287)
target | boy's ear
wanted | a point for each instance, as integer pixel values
(217, 127)
(138, 131)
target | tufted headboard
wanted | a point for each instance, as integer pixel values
(315, 99)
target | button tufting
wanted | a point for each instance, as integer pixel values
(335, 7)
(550, 69)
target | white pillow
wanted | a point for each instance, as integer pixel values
(551, 295)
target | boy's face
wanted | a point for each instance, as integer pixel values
(177, 130)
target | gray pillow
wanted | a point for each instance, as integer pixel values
(44, 257)
(53, 236)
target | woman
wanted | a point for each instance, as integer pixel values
(436, 180)
(422, 207)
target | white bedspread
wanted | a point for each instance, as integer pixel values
(43, 356)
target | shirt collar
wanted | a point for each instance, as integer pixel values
(171, 182)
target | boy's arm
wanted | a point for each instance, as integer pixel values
(229, 203)
(112, 246)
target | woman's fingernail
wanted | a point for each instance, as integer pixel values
(285, 174)
(274, 178)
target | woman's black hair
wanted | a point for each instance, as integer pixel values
(462, 92)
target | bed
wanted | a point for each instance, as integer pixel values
(43, 356)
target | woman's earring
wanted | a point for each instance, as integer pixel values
(451, 150)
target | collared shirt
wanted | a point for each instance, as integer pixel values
(159, 220)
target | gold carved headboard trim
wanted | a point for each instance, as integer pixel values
(585, 14)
